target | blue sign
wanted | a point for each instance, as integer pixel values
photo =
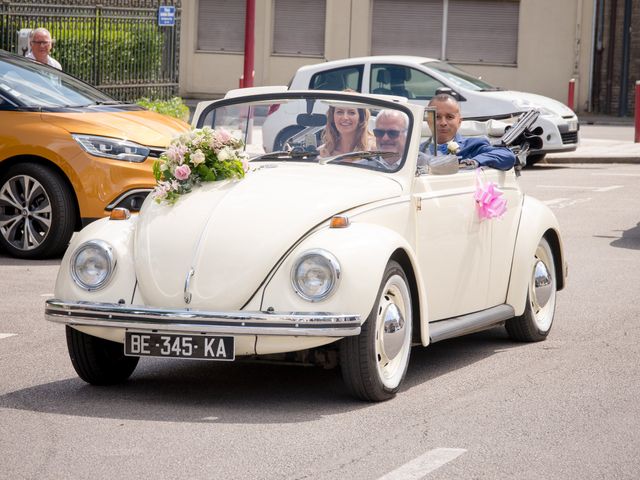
(166, 16)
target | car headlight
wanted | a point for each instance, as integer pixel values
(92, 264)
(315, 275)
(113, 148)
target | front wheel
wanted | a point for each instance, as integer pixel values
(535, 322)
(37, 211)
(375, 362)
(98, 361)
(535, 158)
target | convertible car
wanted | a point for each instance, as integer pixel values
(345, 260)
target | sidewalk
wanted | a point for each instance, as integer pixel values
(602, 150)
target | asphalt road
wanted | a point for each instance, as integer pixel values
(479, 407)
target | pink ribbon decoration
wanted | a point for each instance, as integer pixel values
(489, 199)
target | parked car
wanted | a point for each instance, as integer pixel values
(69, 154)
(418, 79)
(337, 260)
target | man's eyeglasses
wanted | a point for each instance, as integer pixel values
(42, 43)
(380, 132)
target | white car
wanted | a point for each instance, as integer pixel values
(418, 79)
(348, 260)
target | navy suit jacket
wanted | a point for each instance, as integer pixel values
(480, 150)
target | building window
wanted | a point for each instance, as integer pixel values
(464, 31)
(221, 25)
(298, 27)
(407, 27)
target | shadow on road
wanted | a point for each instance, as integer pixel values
(242, 392)
(630, 238)
(6, 260)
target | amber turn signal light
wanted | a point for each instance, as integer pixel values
(120, 214)
(339, 221)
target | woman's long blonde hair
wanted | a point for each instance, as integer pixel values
(363, 136)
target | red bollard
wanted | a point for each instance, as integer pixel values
(637, 112)
(572, 89)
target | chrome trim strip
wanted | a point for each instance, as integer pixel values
(314, 324)
(126, 194)
(474, 322)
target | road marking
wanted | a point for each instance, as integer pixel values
(46, 294)
(604, 174)
(565, 202)
(554, 201)
(7, 335)
(427, 463)
(211, 419)
(608, 189)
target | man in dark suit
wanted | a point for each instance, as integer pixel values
(474, 151)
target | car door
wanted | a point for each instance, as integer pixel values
(504, 232)
(453, 245)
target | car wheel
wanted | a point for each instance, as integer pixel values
(535, 323)
(98, 361)
(375, 362)
(284, 135)
(37, 212)
(533, 159)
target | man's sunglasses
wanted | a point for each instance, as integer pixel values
(380, 132)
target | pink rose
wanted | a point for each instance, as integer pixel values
(224, 135)
(182, 172)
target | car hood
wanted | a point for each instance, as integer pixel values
(140, 126)
(233, 232)
(509, 101)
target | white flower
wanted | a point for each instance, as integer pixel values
(197, 157)
(225, 154)
(453, 147)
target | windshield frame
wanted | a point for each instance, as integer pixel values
(318, 95)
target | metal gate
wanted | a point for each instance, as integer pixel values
(115, 45)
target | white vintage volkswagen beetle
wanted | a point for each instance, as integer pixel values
(337, 258)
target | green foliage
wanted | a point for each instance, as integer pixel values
(174, 107)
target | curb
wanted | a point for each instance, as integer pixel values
(550, 160)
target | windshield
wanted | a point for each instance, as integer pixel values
(34, 85)
(461, 78)
(317, 127)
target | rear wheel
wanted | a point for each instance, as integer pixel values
(375, 362)
(535, 323)
(98, 361)
(37, 212)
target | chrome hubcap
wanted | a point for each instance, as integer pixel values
(542, 284)
(25, 212)
(393, 331)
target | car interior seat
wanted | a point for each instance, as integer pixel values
(398, 77)
(383, 77)
(332, 81)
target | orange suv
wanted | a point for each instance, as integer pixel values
(69, 154)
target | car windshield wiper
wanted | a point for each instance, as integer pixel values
(107, 102)
(491, 89)
(287, 154)
(360, 154)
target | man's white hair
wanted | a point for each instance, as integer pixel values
(393, 114)
(42, 30)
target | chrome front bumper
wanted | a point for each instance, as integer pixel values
(197, 321)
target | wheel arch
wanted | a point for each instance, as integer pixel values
(537, 222)
(8, 163)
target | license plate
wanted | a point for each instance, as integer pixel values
(201, 347)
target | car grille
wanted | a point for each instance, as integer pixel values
(569, 137)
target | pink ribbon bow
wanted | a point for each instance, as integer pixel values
(489, 199)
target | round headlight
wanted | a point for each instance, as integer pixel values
(315, 275)
(92, 264)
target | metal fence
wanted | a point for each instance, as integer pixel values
(115, 45)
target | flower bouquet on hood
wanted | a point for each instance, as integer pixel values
(200, 155)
